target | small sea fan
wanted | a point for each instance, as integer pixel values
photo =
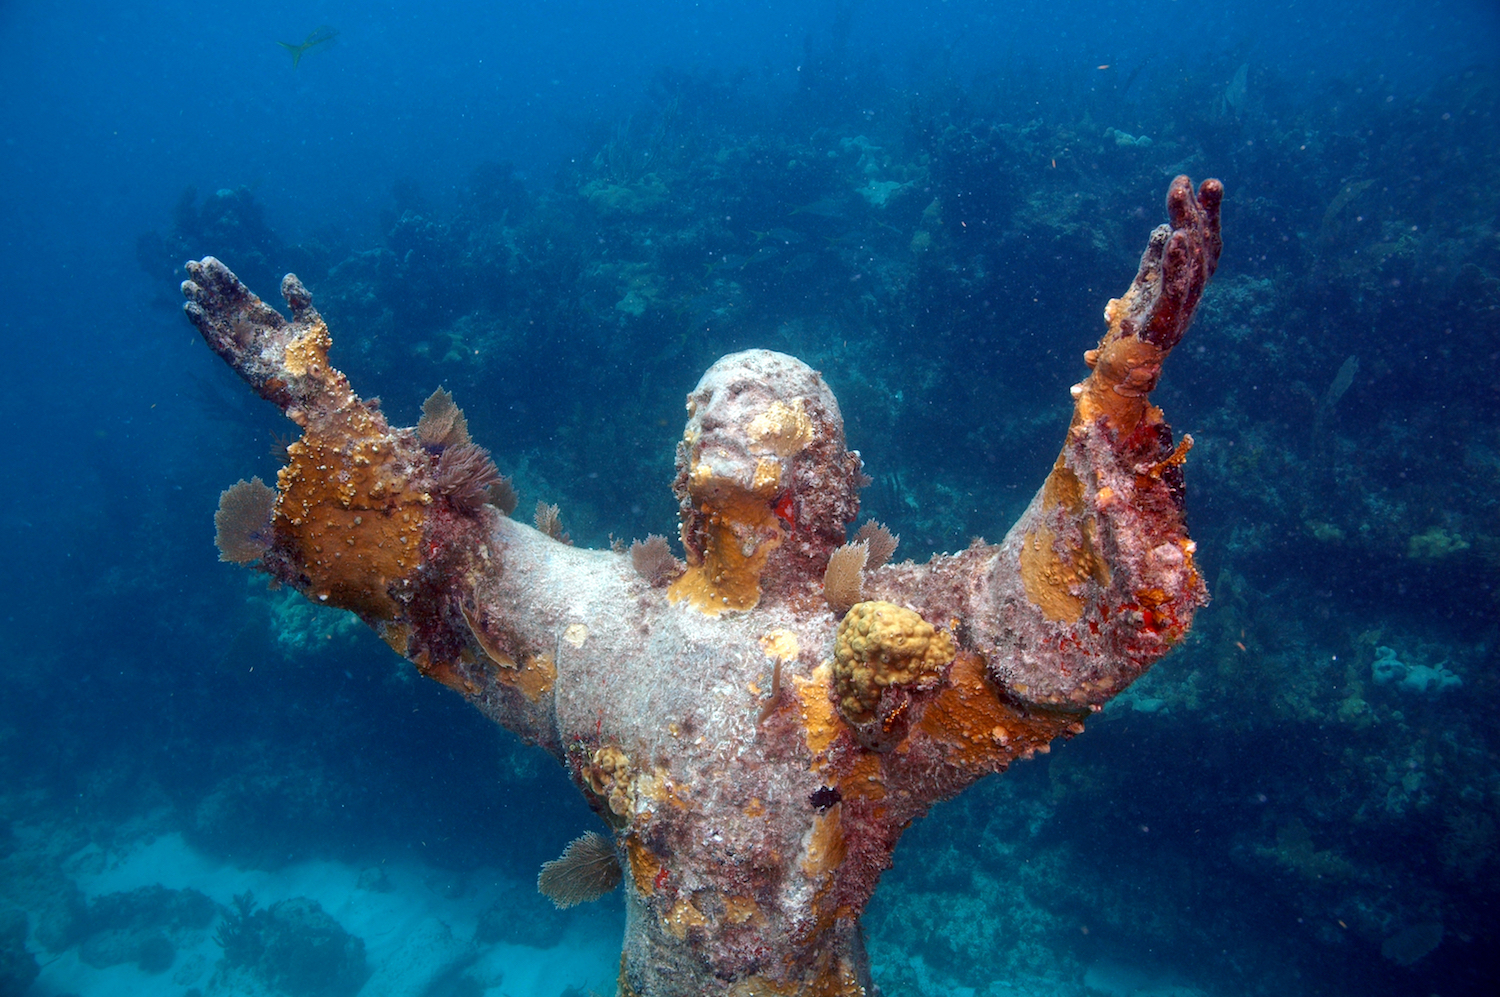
(653, 560)
(503, 495)
(882, 543)
(442, 424)
(548, 519)
(844, 581)
(464, 475)
(242, 525)
(587, 869)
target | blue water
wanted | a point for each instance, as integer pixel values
(1274, 809)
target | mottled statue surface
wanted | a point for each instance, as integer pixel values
(759, 725)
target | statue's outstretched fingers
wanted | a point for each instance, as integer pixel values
(298, 298)
(225, 311)
(286, 362)
(1186, 261)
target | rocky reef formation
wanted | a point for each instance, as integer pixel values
(756, 754)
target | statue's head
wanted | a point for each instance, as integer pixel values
(765, 483)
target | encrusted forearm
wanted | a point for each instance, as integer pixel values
(1097, 579)
(390, 523)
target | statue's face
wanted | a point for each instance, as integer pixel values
(763, 479)
(751, 419)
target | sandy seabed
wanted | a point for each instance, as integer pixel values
(418, 929)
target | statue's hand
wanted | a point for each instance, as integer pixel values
(1155, 311)
(1178, 263)
(226, 312)
(285, 362)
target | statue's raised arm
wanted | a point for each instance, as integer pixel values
(758, 726)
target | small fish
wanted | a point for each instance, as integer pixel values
(736, 261)
(727, 261)
(828, 207)
(784, 235)
(319, 36)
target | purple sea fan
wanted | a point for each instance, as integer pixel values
(243, 523)
(653, 560)
(586, 871)
(442, 424)
(464, 475)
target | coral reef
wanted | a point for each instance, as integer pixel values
(653, 560)
(18, 967)
(752, 835)
(293, 946)
(1388, 668)
(242, 526)
(144, 926)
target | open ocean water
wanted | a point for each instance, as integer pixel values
(563, 211)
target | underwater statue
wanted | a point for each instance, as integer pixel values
(758, 726)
